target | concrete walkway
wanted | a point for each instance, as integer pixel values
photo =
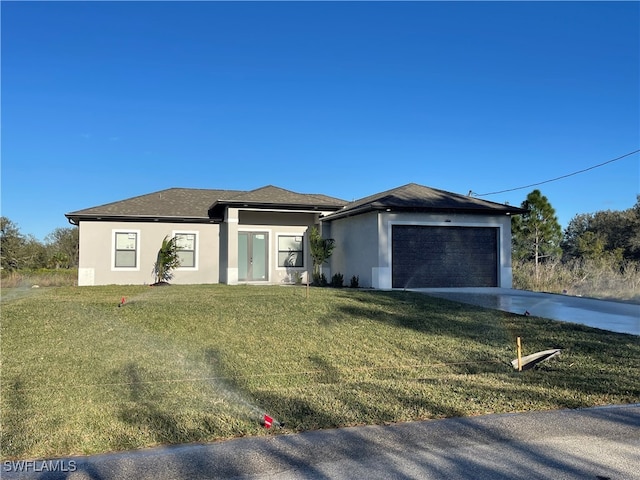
(621, 317)
(586, 444)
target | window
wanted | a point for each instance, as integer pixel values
(186, 247)
(290, 251)
(126, 252)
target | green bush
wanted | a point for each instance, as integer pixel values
(355, 282)
(320, 280)
(337, 281)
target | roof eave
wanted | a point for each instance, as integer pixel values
(75, 219)
(382, 208)
(275, 205)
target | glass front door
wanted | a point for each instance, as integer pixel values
(253, 256)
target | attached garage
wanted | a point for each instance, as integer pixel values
(443, 256)
(419, 237)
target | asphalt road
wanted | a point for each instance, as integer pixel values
(587, 444)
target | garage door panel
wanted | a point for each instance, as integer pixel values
(431, 257)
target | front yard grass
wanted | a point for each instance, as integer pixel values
(178, 364)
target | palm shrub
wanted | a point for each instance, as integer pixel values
(167, 260)
(320, 249)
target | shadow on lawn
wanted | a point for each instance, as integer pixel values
(148, 410)
(142, 410)
(425, 315)
(593, 361)
(327, 372)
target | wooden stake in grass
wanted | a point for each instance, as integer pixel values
(519, 348)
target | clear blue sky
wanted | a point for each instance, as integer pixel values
(105, 101)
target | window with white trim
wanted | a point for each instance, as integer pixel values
(186, 248)
(126, 250)
(290, 251)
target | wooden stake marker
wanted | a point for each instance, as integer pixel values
(519, 346)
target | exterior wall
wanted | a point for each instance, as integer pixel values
(97, 247)
(273, 224)
(363, 242)
(363, 246)
(356, 248)
(229, 254)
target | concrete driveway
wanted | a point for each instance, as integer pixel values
(621, 317)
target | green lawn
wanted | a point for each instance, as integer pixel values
(198, 363)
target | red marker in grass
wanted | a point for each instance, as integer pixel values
(268, 421)
(121, 302)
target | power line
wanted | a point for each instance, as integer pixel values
(557, 178)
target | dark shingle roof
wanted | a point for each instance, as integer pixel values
(173, 202)
(276, 195)
(270, 197)
(416, 197)
(191, 204)
(197, 204)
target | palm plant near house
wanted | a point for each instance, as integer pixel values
(320, 249)
(167, 260)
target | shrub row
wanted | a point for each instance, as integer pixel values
(337, 281)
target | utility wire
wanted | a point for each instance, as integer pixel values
(557, 178)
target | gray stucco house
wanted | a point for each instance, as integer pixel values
(408, 237)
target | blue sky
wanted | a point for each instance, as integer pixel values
(102, 101)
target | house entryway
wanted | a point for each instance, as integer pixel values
(253, 256)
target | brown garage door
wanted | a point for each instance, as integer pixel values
(432, 257)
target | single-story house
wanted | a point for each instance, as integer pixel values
(408, 237)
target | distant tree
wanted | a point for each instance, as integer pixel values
(536, 234)
(577, 226)
(63, 247)
(634, 238)
(616, 229)
(590, 245)
(11, 244)
(33, 254)
(167, 260)
(592, 235)
(321, 250)
(18, 251)
(58, 260)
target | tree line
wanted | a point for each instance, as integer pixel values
(538, 237)
(597, 255)
(18, 251)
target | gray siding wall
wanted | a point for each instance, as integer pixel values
(96, 263)
(356, 250)
(363, 243)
